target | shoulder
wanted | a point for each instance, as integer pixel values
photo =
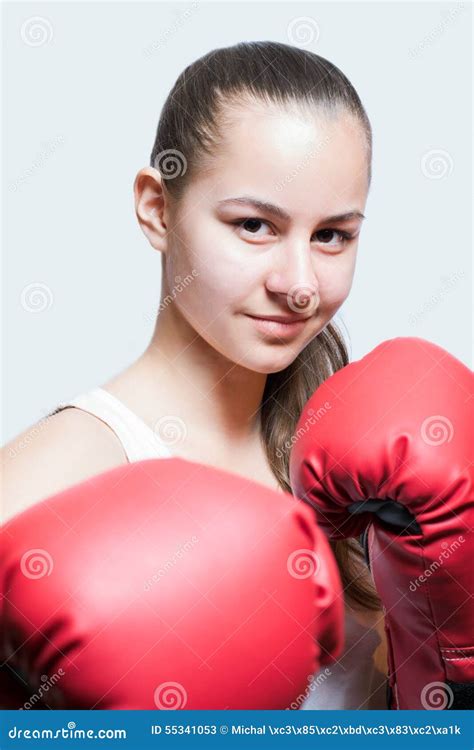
(53, 454)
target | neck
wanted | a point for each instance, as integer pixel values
(200, 385)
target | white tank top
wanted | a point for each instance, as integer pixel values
(353, 682)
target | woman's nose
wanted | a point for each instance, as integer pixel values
(295, 280)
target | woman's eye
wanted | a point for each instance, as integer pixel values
(324, 236)
(328, 237)
(251, 225)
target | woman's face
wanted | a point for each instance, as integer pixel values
(246, 260)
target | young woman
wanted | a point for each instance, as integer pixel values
(255, 197)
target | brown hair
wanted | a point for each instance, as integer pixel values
(204, 99)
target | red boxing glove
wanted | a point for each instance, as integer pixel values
(388, 441)
(167, 584)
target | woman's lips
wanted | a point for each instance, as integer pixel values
(278, 328)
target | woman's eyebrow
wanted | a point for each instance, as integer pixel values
(280, 212)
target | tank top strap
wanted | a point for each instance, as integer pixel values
(138, 440)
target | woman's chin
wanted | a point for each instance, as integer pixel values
(267, 361)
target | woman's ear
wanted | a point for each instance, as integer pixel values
(151, 206)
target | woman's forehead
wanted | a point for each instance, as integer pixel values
(275, 145)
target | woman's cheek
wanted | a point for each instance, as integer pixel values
(210, 297)
(335, 280)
